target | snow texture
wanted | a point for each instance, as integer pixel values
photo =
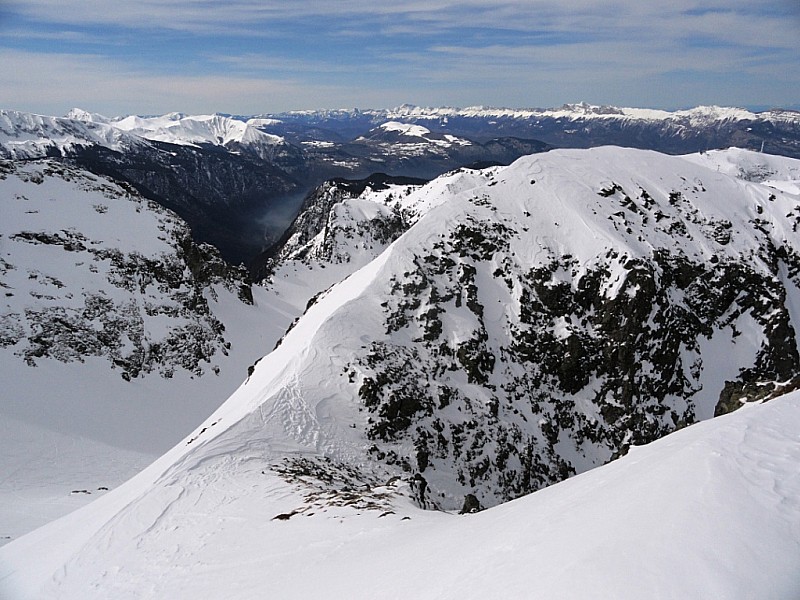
(711, 511)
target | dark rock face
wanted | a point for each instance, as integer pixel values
(219, 194)
(633, 358)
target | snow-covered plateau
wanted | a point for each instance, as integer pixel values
(543, 345)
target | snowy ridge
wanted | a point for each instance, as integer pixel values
(79, 114)
(700, 115)
(406, 129)
(338, 232)
(26, 135)
(696, 116)
(176, 128)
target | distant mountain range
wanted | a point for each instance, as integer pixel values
(578, 126)
(238, 181)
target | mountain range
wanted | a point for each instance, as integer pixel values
(550, 348)
(239, 180)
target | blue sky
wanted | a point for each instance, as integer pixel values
(248, 57)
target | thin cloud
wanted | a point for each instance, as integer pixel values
(211, 15)
(255, 56)
(66, 80)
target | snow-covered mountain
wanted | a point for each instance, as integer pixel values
(26, 135)
(536, 320)
(411, 138)
(463, 343)
(118, 334)
(141, 305)
(569, 306)
(700, 115)
(582, 125)
(218, 130)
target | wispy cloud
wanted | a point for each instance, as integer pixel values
(63, 81)
(261, 55)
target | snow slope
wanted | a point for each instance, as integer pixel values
(711, 511)
(775, 171)
(117, 336)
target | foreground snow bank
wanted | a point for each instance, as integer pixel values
(712, 511)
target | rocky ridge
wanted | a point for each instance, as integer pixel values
(538, 320)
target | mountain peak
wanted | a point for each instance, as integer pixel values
(406, 129)
(78, 114)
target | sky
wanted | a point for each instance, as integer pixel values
(252, 57)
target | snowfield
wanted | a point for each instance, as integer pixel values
(711, 511)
